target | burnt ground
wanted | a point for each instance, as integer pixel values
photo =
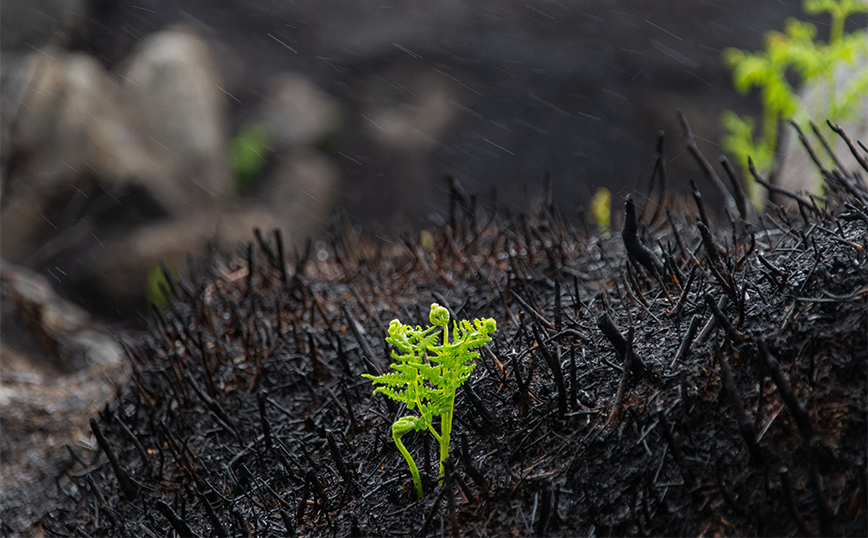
(742, 410)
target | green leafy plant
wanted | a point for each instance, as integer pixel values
(428, 371)
(247, 155)
(794, 54)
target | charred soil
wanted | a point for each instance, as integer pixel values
(682, 378)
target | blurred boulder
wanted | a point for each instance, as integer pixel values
(33, 24)
(61, 126)
(413, 124)
(87, 156)
(48, 330)
(172, 98)
(297, 112)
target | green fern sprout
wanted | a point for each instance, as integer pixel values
(429, 371)
(796, 52)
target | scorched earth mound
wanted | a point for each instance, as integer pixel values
(684, 377)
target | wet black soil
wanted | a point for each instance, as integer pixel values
(690, 383)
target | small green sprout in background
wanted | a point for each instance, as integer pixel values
(428, 372)
(247, 155)
(601, 209)
(795, 52)
(154, 292)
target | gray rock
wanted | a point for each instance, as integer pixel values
(33, 24)
(63, 126)
(297, 113)
(49, 329)
(172, 98)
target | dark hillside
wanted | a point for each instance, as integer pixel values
(705, 379)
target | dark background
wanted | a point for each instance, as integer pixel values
(579, 89)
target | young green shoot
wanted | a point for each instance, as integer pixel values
(428, 372)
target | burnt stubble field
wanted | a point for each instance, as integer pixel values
(684, 377)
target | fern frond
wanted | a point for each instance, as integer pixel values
(428, 369)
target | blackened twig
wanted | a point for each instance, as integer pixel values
(711, 324)
(636, 366)
(840, 132)
(675, 446)
(434, 509)
(710, 174)
(217, 526)
(280, 258)
(777, 272)
(539, 317)
(339, 458)
(545, 514)
(129, 488)
(817, 489)
(638, 252)
(368, 356)
(810, 149)
(555, 366)
(659, 171)
(607, 326)
(798, 410)
(684, 348)
(266, 427)
(479, 405)
(241, 526)
(574, 396)
(177, 523)
(745, 427)
(290, 525)
(697, 197)
(684, 292)
(826, 146)
(737, 188)
(475, 474)
(212, 404)
(101, 500)
(723, 320)
(801, 200)
(136, 443)
(791, 502)
(625, 377)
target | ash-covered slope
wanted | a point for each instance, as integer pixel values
(696, 381)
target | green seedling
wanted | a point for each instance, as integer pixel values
(428, 371)
(247, 155)
(157, 284)
(601, 209)
(795, 54)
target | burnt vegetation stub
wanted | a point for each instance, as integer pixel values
(686, 377)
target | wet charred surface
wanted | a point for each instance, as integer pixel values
(715, 388)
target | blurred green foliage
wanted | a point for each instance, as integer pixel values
(601, 209)
(795, 54)
(247, 156)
